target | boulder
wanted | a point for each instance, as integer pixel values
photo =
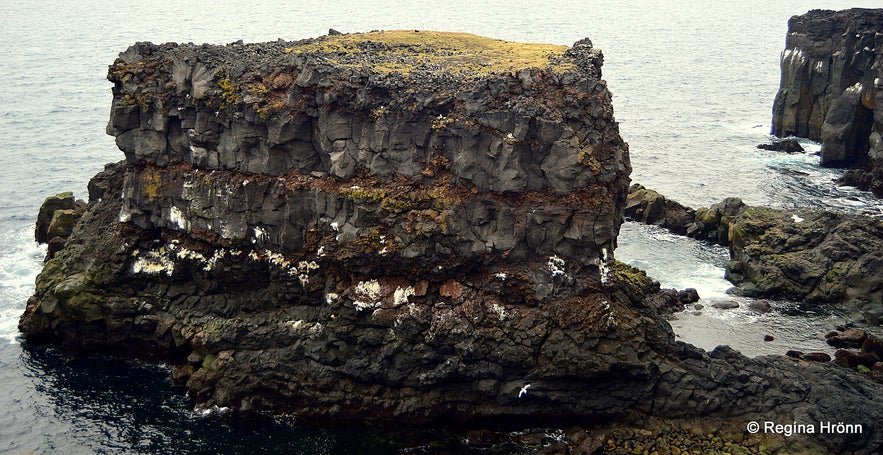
(760, 306)
(61, 201)
(817, 357)
(849, 359)
(785, 145)
(725, 305)
(649, 207)
(850, 338)
(56, 220)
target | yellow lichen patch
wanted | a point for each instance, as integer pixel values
(150, 184)
(229, 91)
(406, 50)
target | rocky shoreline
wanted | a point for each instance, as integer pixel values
(386, 227)
(811, 256)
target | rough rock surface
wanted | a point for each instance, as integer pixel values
(816, 257)
(783, 145)
(813, 256)
(832, 68)
(56, 219)
(340, 234)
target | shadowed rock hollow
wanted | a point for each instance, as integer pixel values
(398, 226)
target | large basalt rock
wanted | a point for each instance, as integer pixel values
(378, 227)
(303, 224)
(832, 69)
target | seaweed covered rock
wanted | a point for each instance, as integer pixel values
(813, 256)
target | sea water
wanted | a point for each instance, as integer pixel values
(693, 86)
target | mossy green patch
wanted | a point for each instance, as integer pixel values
(457, 53)
(359, 194)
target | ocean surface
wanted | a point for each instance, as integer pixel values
(693, 86)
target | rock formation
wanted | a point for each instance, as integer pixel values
(811, 256)
(816, 257)
(394, 226)
(56, 221)
(832, 75)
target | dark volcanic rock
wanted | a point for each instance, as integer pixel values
(62, 201)
(850, 338)
(358, 227)
(725, 305)
(56, 221)
(760, 306)
(817, 257)
(817, 357)
(649, 207)
(830, 89)
(353, 227)
(812, 256)
(787, 146)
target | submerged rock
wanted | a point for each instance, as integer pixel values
(832, 68)
(786, 145)
(725, 305)
(395, 226)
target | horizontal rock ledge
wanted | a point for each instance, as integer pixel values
(508, 117)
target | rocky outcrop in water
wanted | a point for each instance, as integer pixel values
(811, 256)
(395, 226)
(830, 92)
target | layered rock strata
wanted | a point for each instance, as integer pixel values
(832, 75)
(394, 226)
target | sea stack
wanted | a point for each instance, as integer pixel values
(832, 76)
(388, 225)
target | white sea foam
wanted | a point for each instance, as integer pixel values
(21, 259)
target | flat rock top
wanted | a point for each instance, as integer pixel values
(405, 51)
(414, 55)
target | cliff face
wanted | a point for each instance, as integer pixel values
(832, 69)
(405, 226)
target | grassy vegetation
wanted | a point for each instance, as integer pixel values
(404, 50)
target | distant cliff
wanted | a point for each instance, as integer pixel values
(832, 76)
(396, 226)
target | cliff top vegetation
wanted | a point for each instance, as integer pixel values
(458, 53)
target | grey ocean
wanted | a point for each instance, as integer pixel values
(693, 86)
